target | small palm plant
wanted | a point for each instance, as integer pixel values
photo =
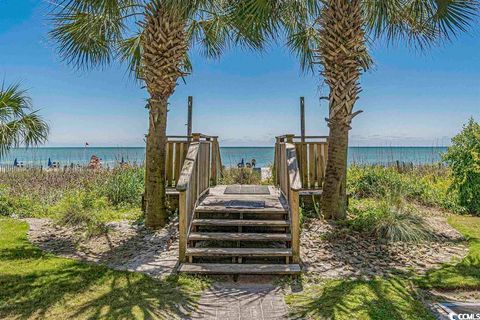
(19, 123)
(154, 37)
(336, 34)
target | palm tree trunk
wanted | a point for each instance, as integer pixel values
(343, 55)
(155, 195)
(164, 48)
(334, 196)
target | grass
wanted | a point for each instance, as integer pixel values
(37, 285)
(240, 176)
(376, 299)
(466, 273)
(388, 219)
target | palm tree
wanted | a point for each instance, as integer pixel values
(154, 38)
(19, 123)
(335, 34)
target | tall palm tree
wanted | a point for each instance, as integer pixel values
(19, 123)
(335, 34)
(154, 38)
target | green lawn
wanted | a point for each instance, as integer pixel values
(376, 299)
(39, 285)
(466, 273)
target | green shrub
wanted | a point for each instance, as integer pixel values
(124, 186)
(389, 219)
(240, 176)
(374, 181)
(428, 185)
(463, 157)
(21, 206)
(6, 208)
(81, 209)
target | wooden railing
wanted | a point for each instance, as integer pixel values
(201, 169)
(288, 179)
(177, 148)
(312, 157)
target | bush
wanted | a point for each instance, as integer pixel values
(6, 208)
(374, 181)
(240, 176)
(463, 157)
(82, 209)
(389, 219)
(428, 185)
(21, 206)
(124, 186)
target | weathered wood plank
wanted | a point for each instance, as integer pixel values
(188, 167)
(238, 222)
(295, 225)
(243, 252)
(178, 161)
(195, 236)
(220, 268)
(169, 168)
(311, 165)
(292, 167)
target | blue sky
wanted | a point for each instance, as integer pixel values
(246, 98)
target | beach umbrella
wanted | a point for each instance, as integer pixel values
(49, 162)
(15, 162)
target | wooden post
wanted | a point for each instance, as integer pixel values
(196, 137)
(276, 159)
(214, 177)
(182, 225)
(289, 138)
(302, 119)
(189, 121)
(295, 225)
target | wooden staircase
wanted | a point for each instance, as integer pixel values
(237, 232)
(240, 234)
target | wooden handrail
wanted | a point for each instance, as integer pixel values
(201, 135)
(188, 166)
(199, 171)
(292, 168)
(299, 165)
(177, 149)
(311, 156)
(287, 175)
(285, 136)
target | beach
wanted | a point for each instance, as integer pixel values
(231, 156)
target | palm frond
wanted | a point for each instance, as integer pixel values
(19, 125)
(130, 52)
(88, 31)
(420, 23)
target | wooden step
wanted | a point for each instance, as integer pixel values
(231, 268)
(238, 222)
(220, 209)
(240, 252)
(237, 236)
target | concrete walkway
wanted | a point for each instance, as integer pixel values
(242, 301)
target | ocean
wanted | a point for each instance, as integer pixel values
(230, 155)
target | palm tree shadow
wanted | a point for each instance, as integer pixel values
(374, 299)
(35, 283)
(129, 296)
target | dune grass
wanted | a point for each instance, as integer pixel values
(37, 285)
(380, 299)
(466, 273)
